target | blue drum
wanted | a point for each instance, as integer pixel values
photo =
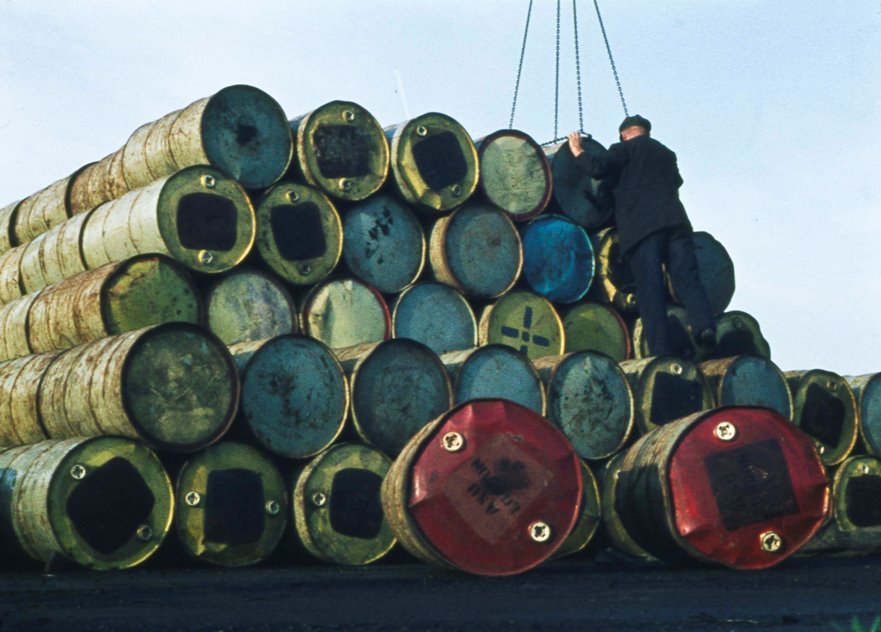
(558, 260)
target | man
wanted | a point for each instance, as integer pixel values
(653, 229)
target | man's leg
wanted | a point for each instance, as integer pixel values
(684, 275)
(645, 260)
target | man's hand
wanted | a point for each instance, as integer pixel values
(575, 144)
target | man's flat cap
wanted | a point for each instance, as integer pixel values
(636, 119)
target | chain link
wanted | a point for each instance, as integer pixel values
(611, 59)
(520, 65)
(578, 70)
(557, 77)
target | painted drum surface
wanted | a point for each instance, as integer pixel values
(715, 271)
(666, 388)
(294, 394)
(7, 222)
(515, 175)
(495, 372)
(54, 255)
(249, 304)
(558, 261)
(578, 196)
(489, 488)
(867, 390)
(345, 312)
(397, 387)
(174, 386)
(524, 321)
(748, 381)
(60, 488)
(337, 509)
(41, 211)
(678, 336)
(144, 290)
(737, 486)
(232, 505)
(434, 162)
(199, 216)
(589, 516)
(384, 243)
(613, 281)
(826, 409)
(476, 250)
(10, 275)
(436, 315)
(342, 150)
(590, 401)
(299, 233)
(738, 333)
(590, 326)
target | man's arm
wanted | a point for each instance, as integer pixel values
(602, 166)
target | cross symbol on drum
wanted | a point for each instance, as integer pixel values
(524, 335)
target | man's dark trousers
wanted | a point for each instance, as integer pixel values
(675, 248)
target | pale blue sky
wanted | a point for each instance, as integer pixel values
(773, 108)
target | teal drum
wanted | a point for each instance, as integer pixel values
(344, 312)
(867, 390)
(436, 315)
(748, 381)
(496, 372)
(397, 387)
(384, 243)
(590, 400)
(715, 270)
(558, 261)
(738, 333)
(578, 196)
(294, 394)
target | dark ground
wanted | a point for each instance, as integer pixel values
(800, 594)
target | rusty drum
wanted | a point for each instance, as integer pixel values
(489, 488)
(341, 149)
(613, 283)
(7, 223)
(826, 409)
(715, 271)
(497, 372)
(294, 394)
(336, 505)
(867, 391)
(515, 175)
(14, 327)
(54, 255)
(748, 381)
(436, 315)
(232, 505)
(738, 486)
(20, 422)
(433, 161)
(384, 244)
(678, 336)
(397, 387)
(103, 503)
(738, 333)
(589, 516)
(299, 233)
(344, 312)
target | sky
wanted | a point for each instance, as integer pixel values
(773, 109)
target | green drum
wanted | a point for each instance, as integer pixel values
(826, 409)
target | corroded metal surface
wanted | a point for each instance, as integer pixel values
(614, 282)
(593, 326)
(10, 275)
(589, 517)
(115, 298)
(867, 390)
(397, 386)
(558, 259)
(294, 394)
(524, 321)
(342, 150)
(20, 380)
(44, 209)
(14, 328)
(249, 304)
(737, 486)
(299, 233)
(678, 336)
(436, 315)
(345, 312)
(198, 216)
(715, 271)
(613, 528)
(738, 333)
(7, 222)
(498, 372)
(384, 244)
(336, 505)
(577, 195)
(434, 162)
(515, 175)
(666, 388)
(232, 505)
(59, 487)
(54, 255)
(590, 401)
(748, 381)
(174, 386)
(826, 409)
(490, 488)
(476, 250)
